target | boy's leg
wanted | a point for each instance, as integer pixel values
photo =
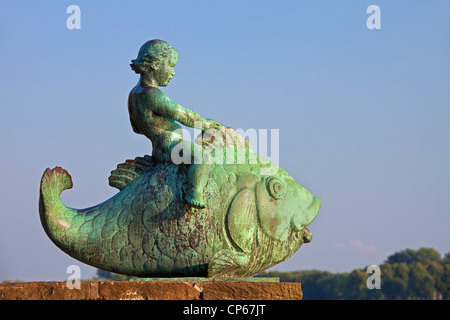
(198, 173)
(197, 176)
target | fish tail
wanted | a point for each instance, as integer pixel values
(99, 235)
(55, 216)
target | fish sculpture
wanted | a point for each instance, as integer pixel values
(252, 221)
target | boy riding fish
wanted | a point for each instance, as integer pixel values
(154, 115)
(253, 221)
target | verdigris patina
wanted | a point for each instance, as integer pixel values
(181, 212)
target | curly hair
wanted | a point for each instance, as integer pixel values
(152, 51)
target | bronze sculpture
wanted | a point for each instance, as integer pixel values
(171, 218)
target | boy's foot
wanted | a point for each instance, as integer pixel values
(195, 201)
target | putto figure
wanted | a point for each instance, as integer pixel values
(170, 220)
(154, 115)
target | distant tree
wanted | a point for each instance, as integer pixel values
(411, 257)
(313, 284)
(395, 280)
(402, 274)
(334, 285)
(436, 270)
(427, 255)
(408, 274)
(357, 285)
(407, 256)
(446, 259)
(445, 282)
(421, 283)
(389, 284)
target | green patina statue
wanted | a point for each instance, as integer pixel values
(153, 114)
(207, 208)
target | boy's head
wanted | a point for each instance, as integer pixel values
(157, 59)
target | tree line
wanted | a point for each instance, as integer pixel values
(408, 274)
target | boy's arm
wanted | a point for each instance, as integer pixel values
(159, 103)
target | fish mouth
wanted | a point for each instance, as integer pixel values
(307, 236)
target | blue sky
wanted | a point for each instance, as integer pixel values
(363, 114)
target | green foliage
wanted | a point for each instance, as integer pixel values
(408, 274)
(411, 257)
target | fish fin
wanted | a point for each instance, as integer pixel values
(129, 171)
(242, 220)
(224, 262)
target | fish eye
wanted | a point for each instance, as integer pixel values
(276, 188)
